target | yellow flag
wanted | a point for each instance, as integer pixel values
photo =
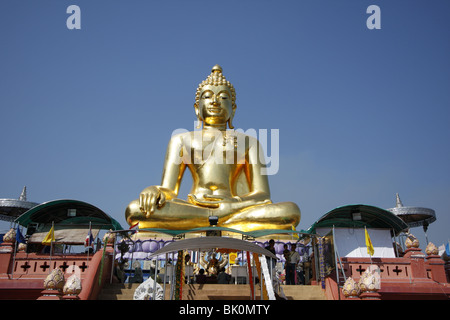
(232, 256)
(295, 234)
(370, 250)
(49, 238)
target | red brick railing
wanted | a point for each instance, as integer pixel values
(415, 275)
(27, 271)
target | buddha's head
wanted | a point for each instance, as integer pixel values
(215, 100)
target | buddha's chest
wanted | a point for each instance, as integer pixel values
(214, 150)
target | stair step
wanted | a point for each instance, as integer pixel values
(118, 291)
(295, 292)
(214, 292)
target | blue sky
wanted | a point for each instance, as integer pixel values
(362, 114)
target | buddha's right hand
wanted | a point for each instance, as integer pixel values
(150, 199)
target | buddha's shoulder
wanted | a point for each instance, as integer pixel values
(179, 133)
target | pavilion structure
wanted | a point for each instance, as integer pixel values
(414, 216)
(396, 273)
(227, 221)
(10, 209)
(327, 244)
(31, 270)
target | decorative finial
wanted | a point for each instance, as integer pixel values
(217, 69)
(399, 202)
(350, 288)
(55, 280)
(411, 241)
(431, 249)
(23, 195)
(369, 281)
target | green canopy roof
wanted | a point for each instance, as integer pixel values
(359, 216)
(57, 211)
(253, 234)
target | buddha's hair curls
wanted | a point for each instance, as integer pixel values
(216, 78)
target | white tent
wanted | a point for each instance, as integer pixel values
(208, 243)
(351, 242)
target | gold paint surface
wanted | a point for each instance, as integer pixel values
(226, 173)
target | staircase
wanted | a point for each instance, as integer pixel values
(125, 291)
(217, 292)
(304, 292)
(118, 291)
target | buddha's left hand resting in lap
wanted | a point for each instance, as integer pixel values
(226, 169)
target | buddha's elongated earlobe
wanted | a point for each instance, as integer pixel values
(230, 125)
(230, 120)
(199, 119)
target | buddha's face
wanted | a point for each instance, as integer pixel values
(215, 105)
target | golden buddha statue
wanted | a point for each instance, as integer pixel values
(227, 173)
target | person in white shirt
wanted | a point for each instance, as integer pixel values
(291, 267)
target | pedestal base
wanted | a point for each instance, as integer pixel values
(352, 298)
(370, 295)
(437, 268)
(70, 297)
(414, 252)
(50, 295)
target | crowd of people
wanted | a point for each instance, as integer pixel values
(293, 271)
(216, 274)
